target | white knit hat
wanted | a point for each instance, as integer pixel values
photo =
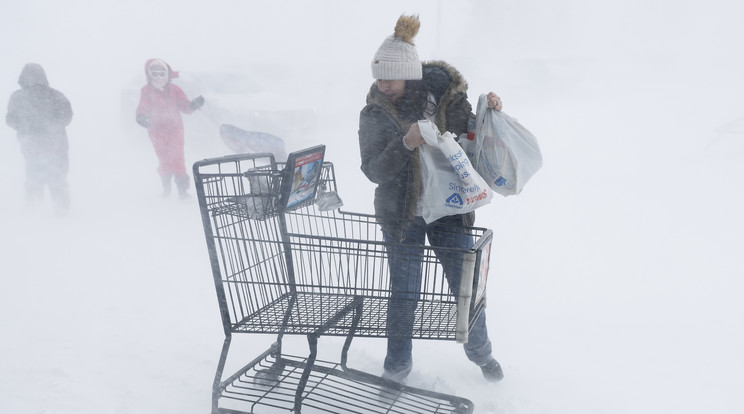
(397, 59)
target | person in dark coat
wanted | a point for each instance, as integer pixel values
(40, 114)
(159, 110)
(406, 91)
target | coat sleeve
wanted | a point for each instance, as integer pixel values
(381, 146)
(62, 109)
(182, 101)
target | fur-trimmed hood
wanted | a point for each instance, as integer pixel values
(457, 85)
(441, 79)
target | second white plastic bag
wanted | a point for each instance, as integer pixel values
(504, 152)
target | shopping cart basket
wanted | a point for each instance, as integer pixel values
(282, 265)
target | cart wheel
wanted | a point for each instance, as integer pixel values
(269, 377)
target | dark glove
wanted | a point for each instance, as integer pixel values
(197, 102)
(143, 120)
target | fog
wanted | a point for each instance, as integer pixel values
(615, 278)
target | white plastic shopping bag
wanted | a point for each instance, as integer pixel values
(450, 183)
(504, 152)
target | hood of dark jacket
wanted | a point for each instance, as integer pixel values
(440, 78)
(445, 83)
(32, 75)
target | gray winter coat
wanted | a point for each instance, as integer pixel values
(388, 163)
(39, 113)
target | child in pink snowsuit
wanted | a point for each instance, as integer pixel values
(159, 110)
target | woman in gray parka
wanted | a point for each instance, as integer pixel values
(406, 91)
(40, 114)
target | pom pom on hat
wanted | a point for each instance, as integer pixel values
(397, 58)
(407, 28)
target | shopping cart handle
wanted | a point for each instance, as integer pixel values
(236, 158)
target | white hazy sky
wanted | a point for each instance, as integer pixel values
(615, 285)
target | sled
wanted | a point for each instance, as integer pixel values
(241, 141)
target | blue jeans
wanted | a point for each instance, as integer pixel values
(405, 276)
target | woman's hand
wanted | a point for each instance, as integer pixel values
(494, 102)
(413, 138)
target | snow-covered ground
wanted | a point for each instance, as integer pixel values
(616, 279)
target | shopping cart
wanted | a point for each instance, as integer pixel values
(286, 264)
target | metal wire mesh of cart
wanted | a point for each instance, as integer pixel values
(268, 384)
(294, 271)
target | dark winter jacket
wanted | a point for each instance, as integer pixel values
(388, 163)
(39, 113)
